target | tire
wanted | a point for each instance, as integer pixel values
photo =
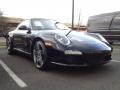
(9, 44)
(39, 55)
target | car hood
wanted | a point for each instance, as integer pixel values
(81, 41)
(87, 43)
(61, 32)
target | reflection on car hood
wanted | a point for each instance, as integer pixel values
(61, 32)
(51, 33)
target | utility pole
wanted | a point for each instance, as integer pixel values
(79, 20)
(72, 14)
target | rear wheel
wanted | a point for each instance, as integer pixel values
(9, 43)
(39, 55)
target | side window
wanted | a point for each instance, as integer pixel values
(24, 24)
(116, 23)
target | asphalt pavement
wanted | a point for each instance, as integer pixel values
(17, 72)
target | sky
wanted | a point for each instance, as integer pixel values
(60, 10)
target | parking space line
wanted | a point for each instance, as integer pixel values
(115, 61)
(18, 81)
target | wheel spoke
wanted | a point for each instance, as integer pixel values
(38, 55)
(8, 44)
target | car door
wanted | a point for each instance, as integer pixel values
(22, 37)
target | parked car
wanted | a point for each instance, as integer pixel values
(107, 24)
(48, 41)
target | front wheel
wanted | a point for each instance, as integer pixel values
(39, 55)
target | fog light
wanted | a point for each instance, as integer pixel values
(71, 52)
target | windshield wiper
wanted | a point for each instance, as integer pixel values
(69, 32)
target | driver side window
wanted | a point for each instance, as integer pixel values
(25, 25)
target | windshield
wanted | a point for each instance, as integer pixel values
(45, 24)
(61, 26)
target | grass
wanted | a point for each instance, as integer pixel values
(2, 42)
(2, 45)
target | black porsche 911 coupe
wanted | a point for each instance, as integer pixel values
(48, 41)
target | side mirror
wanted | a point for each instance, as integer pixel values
(29, 31)
(23, 28)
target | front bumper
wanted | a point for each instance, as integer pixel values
(59, 57)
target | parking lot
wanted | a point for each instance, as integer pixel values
(17, 72)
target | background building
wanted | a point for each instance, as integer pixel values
(8, 23)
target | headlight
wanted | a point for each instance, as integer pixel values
(71, 52)
(62, 39)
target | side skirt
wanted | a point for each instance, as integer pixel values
(20, 50)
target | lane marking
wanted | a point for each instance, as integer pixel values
(115, 61)
(18, 81)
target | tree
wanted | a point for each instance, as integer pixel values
(1, 23)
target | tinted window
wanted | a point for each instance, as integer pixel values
(61, 26)
(45, 24)
(41, 24)
(25, 23)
